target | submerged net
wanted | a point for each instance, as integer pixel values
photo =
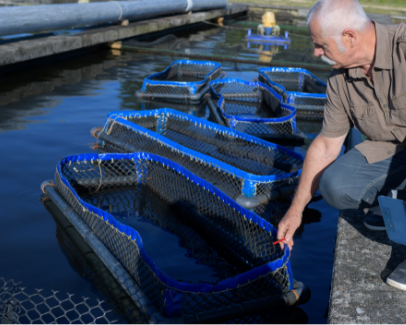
(224, 44)
(233, 162)
(239, 238)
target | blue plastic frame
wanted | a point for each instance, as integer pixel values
(261, 39)
(121, 117)
(193, 86)
(241, 279)
(237, 118)
(292, 95)
(288, 70)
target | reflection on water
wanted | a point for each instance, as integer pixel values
(51, 110)
(169, 238)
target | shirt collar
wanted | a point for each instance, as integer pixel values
(383, 56)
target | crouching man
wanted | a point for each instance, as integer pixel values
(366, 89)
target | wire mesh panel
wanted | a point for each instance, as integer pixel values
(299, 88)
(234, 162)
(100, 186)
(181, 79)
(309, 106)
(253, 108)
(292, 79)
(20, 305)
(196, 109)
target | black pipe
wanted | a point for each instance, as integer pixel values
(299, 295)
(127, 309)
(213, 110)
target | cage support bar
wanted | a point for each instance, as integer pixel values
(213, 110)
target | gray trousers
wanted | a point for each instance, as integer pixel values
(351, 183)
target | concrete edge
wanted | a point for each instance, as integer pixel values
(22, 51)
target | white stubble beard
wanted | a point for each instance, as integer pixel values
(327, 60)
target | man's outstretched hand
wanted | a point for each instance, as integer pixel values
(287, 227)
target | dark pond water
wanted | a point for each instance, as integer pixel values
(46, 113)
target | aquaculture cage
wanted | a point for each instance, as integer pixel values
(299, 88)
(253, 172)
(253, 108)
(183, 80)
(99, 189)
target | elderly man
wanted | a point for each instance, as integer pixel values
(366, 89)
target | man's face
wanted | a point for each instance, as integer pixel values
(327, 48)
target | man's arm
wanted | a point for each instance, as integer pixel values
(321, 153)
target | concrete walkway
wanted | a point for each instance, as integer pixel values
(26, 50)
(363, 259)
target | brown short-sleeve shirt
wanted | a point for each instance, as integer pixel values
(378, 109)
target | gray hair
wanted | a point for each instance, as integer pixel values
(334, 16)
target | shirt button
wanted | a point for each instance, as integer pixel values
(362, 115)
(389, 152)
(395, 129)
(384, 105)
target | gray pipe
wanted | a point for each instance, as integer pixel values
(30, 19)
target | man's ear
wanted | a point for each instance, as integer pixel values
(350, 37)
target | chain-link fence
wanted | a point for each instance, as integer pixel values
(19, 305)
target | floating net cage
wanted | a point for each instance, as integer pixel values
(299, 88)
(96, 187)
(183, 80)
(253, 172)
(20, 305)
(253, 108)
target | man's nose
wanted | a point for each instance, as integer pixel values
(318, 52)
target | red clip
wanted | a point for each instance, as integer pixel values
(277, 242)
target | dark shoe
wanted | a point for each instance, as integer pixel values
(374, 222)
(397, 278)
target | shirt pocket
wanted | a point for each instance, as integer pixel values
(366, 120)
(398, 112)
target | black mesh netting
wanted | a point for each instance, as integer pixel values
(308, 108)
(179, 78)
(293, 81)
(250, 157)
(197, 215)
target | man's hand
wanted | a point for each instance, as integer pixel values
(287, 227)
